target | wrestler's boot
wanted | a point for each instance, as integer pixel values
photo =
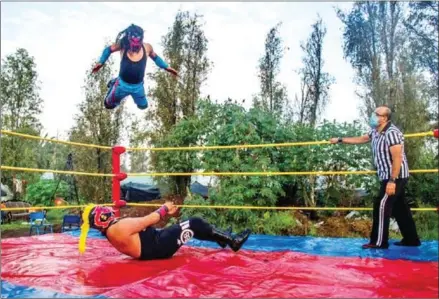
(234, 242)
(222, 243)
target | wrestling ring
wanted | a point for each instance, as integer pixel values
(50, 266)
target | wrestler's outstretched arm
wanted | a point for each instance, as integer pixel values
(133, 226)
(105, 55)
(158, 60)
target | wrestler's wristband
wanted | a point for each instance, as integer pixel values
(105, 55)
(162, 211)
(160, 62)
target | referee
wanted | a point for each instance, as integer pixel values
(393, 172)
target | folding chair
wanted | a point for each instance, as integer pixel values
(38, 221)
(70, 221)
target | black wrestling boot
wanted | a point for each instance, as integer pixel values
(222, 243)
(403, 242)
(234, 242)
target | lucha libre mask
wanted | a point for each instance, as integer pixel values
(135, 38)
(101, 217)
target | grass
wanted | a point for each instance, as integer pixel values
(427, 224)
(53, 216)
(14, 225)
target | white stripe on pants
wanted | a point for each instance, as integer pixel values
(381, 220)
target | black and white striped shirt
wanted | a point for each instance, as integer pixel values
(381, 143)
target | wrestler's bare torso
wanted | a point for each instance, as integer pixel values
(124, 234)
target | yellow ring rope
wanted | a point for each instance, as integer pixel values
(256, 173)
(3, 167)
(213, 207)
(205, 173)
(268, 173)
(192, 148)
(54, 140)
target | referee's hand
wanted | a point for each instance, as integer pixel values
(390, 188)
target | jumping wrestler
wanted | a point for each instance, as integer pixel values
(135, 236)
(130, 81)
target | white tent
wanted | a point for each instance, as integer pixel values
(5, 190)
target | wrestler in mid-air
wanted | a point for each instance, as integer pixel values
(130, 81)
(135, 236)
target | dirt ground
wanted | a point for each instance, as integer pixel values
(335, 226)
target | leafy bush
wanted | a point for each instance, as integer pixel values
(275, 223)
(56, 215)
(423, 188)
(427, 225)
(42, 192)
(230, 124)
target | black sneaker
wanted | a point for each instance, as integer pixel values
(415, 243)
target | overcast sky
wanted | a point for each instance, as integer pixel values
(65, 38)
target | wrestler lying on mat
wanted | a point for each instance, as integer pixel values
(135, 236)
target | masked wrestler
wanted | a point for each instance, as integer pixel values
(130, 81)
(135, 236)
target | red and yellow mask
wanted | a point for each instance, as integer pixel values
(101, 217)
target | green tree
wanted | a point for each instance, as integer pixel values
(44, 192)
(51, 155)
(413, 99)
(137, 134)
(21, 108)
(315, 82)
(423, 27)
(372, 44)
(96, 125)
(376, 43)
(185, 48)
(229, 124)
(273, 94)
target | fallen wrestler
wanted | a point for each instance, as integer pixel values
(135, 236)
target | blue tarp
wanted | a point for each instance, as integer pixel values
(348, 247)
(199, 189)
(9, 290)
(136, 192)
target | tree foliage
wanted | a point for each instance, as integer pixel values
(372, 42)
(229, 124)
(423, 26)
(376, 43)
(273, 95)
(42, 193)
(185, 48)
(423, 29)
(315, 81)
(96, 125)
(21, 107)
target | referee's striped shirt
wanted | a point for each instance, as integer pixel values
(381, 143)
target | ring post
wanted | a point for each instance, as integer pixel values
(119, 176)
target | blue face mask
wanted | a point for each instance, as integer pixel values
(373, 121)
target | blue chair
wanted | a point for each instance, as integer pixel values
(38, 221)
(70, 222)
